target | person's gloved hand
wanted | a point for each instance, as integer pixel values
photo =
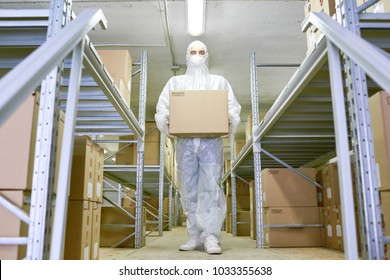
(166, 130)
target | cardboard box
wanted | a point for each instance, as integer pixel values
(308, 235)
(127, 154)
(78, 230)
(238, 145)
(292, 237)
(380, 119)
(18, 140)
(385, 210)
(17, 136)
(13, 226)
(385, 213)
(119, 65)
(330, 182)
(198, 113)
(242, 187)
(97, 193)
(83, 169)
(242, 202)
(283, 187)
(328, 7)
(291, 215)
(115, 226)
(126, 151)
(324, 6)
(95, 236)
(243, 223)
(333, 227)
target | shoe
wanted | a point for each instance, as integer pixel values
(190, 245)
(211, 246)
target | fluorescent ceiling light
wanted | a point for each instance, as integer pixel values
(195, 10)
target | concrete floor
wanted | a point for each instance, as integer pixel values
(234, 248)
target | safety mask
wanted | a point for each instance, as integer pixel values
(197, 60)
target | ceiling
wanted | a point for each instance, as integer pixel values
(234, 29)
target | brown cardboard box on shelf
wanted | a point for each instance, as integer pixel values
(242, 196)
(83, 169)
(152, 134)
(324, 6)
(13, 226)
(330, 182)
(242, 187)
(115, 226)
(380, 119)
(123, 90)
(97, 194)
(296, 237)
(283, 187)
(126, 151)
(95, 231)
(18, 139)
(252, 195)
(17, 136)
(385, 210)
(119, 65)
(201, 113)
(308, 235)
(328, 7)
(243, 223)
(385, 214)
(238, 145)
(127, 154)
(78, 230)
(333, 227)
(242, 202)
(291, 215)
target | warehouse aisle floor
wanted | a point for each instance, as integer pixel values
(234, 248)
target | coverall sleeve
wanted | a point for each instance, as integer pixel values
(234, 109)
(162, 107)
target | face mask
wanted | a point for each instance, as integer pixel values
(197, 60)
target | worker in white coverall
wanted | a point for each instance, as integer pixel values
(199, 160)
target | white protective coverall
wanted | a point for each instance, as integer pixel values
(199, 160)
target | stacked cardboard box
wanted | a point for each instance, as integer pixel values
(18, 139)
(118, 64)
(118, 225)
(329, 177)
(127, 154)
(380, 118)
(152, 206)
(290, 206)
(242, 207)
(238, 145)
(82, 236)
(385, 210)
(328, 7)
(331, 211)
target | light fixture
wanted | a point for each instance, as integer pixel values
(195, 11)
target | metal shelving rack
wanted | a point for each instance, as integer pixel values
(31, 56)
(307, 123)
(156, 183)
